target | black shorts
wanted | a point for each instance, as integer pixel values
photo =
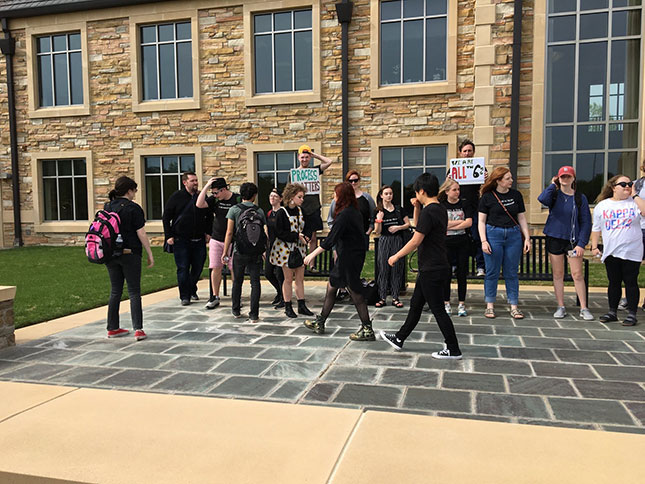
(558, 246)
(313, 223)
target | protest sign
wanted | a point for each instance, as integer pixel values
(309, 177)
(467, 171)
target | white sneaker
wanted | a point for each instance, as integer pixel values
(461, 310)
(622, 305)
(586, 314)
(559, 313)
(446, 354)
(213, 303)
(448, 308)
(481, 272)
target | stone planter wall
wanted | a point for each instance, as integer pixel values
(7, 327)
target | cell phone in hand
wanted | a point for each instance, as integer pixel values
(572, 253)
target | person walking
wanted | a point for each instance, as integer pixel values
(289, 227)
(245, 258)
(617, 216)
(502, 222)
(347, 236)
(366, 205)
(274, 273)
(431, 224)
(187, 229)
(567, 231)
(391, 223)
(458, 242)
(127, 267)
(220, 202)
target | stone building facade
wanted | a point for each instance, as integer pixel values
(226, 127)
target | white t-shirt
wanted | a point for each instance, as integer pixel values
(619, 223)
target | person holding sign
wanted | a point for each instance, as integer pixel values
(502, 222)
(309, 176)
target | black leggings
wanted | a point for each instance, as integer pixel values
(459, 251)
(619, 271)
(357, 297)
(274, 274)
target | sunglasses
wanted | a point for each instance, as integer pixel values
(624, 184)
(354, 180)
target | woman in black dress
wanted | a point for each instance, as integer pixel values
(348, 237)
(274, 273)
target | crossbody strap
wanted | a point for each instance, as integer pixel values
(507, 212)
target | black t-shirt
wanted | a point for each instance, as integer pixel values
(220, 208)
(457, 211)
(432, 223)
(469, 194)
(132, 219)
(366, 212)
(391, 219)
(497, 216)
(311, 203)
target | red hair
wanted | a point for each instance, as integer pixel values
(345, 197)
(350, 173)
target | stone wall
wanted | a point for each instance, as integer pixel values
(7, 328)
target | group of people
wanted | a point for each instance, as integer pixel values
(451, 223)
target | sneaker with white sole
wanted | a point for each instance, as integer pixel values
(213, 303)
(116, 333)
(481, 272)
(391, 338)
(461, 310)
(139, 335)
(586, 314)
(446, 354)
(622, 305)
(448, 308)
(560, 313)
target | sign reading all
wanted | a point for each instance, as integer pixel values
(467, 171)
(309, 177)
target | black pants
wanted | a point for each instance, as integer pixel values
(459, 247)
(429, 288)
(125, 268)
(274, 274)
(190, 256)
(619, 271)
(241, 263)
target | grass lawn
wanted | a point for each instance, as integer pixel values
(57, 281)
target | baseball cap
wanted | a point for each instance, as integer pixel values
(567, 170)
(304, 148)
(219, 183)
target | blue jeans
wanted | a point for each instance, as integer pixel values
(506, 247)
(190, 256)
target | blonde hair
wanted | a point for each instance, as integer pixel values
(445, 186)
(290, 191)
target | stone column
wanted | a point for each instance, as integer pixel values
(7, 327)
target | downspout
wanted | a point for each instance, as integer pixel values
(515, 89)
(8, 48)
(344, 13)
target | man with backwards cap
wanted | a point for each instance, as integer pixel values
(311, 207)
(221, 200)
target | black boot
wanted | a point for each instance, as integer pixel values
(277, 299)
(288, 310)
(317, 325)
(303, 309)
(365, 333)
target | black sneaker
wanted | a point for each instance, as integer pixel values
(446, 354)
(276, 299)
(630, 320)
(391, 338)
(213, 303)
(194, 297)
(236, 314)
(185, 302)
(608, 318)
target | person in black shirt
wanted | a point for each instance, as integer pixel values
(502, 221)
(220, 202)
(187, 229)
(431, 222)
(128, 265)
(347, 236)
(274, 273)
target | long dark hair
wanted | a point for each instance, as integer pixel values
(345, 197)
(577, 197)
(122, 185)
(379, 197)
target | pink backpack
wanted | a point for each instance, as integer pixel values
(103, 241)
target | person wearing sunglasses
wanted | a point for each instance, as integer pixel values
(617, 217)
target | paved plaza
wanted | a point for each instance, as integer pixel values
(542, 371)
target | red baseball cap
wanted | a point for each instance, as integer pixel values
(567, 170)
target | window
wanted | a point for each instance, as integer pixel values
(400, 166)
(60, 69)
(282, 43)
(413, 41)
(273, 169)
(163, 178)
(64, 185)
(592, 90)
(166, 61)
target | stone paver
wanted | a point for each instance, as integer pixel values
(537, 371)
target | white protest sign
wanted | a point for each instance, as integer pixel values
(467, 171)
(309, 177)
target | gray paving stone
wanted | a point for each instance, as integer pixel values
(134, 378)
(387, 359)
(294, 354)
(238, 351)
(532, 342)
(472, 329)
(617, 334)
(511, 405)
(473, 381)
(497, 340)
(580, 356)
(564, 370)
(527, 353)
(409, 378)
(322, 342)
(601, 345)
(98, 358)
(639, 347)
(566, 333)
(83, 375)
(515, 331)
(321, 392)
(148, 347)
(53, 356)
(272, 329)
(511, 367)
(235, 338)
(195, 337)
(189, 349)
(369, 395)
(577, 324)
(611, 390)
(473, 351)
(279, 341)
(621, 373)
(322, 356)
(245, 386)
(552, 423)
(34, 372)
(290, 390)
(295, 370)
(196, 364)
(143, 361)
(7, 365)
(427, 362)
(351, 374)
(625, 430)
(349, 357)
(62, 343)
(473, 416)
(241, 366)
(597, 411)
(17, 352)
(453, 401)
(540, 386)
(188, 383)
(537, 323)
(638, 410)
(631, 359)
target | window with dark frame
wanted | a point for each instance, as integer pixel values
(64, 190)
(60, 69)
(163, 178)
(273, 169)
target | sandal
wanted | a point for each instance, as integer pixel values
(397, 303)
(517, 314)
(489, 313)
(380, 304)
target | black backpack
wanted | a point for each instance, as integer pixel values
(250, 238)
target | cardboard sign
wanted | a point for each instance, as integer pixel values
(467, 171)
(309, 177)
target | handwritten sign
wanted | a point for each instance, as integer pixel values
(467, 171)
(309, 177)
